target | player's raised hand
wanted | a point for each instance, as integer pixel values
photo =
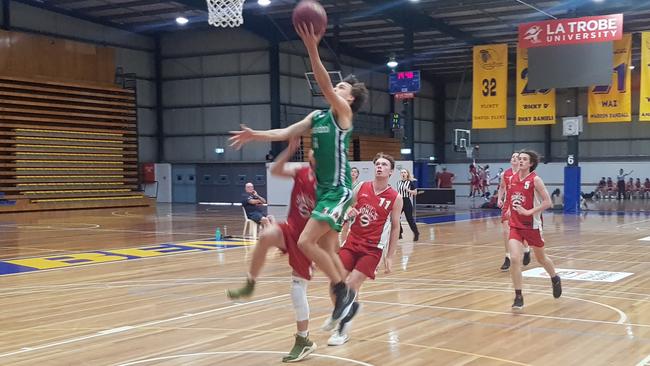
(388, 264)
(307, 34)
(240, 138)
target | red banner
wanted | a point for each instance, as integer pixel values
(600, 28)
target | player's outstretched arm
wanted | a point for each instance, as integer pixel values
(340, 106)
(246, 135)
(394, 233)
(279, 167)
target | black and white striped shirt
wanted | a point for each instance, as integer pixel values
(403, 186)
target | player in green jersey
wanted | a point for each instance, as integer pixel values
(331, 132)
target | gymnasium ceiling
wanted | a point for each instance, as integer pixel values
(444, 31)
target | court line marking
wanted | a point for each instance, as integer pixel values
(129, 363)
(499, 313)
(278, 279)
(127, 328)
(598, 260)
(644, 362)
(632, 223)
(622, 317)
(647, 238)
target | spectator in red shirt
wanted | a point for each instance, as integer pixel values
(445, 179)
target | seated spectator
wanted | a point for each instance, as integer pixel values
(638, 188)
(557, 200)
(254, 204)
(629, 188)
(610, 187)
(602, 188)
(646, 188)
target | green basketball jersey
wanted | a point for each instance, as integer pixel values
(330, 144)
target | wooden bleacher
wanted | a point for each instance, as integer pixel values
(67, 146)
(364, 147)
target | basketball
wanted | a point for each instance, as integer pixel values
(310, 11)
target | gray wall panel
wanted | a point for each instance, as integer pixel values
(181, 67)
(181, 93)
(183, 121)
(184, 148)
(255, 89)
(147, 149)
(222, 119)
(146, 93)
(257, 116)
(221, 90)
(147, 121)
(212, 40)
(221, 64)
(254, 62)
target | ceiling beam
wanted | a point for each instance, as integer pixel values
(99, 8)
(409, 17)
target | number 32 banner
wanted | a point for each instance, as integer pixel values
(613, 103)
(490, 86)
(534, 107)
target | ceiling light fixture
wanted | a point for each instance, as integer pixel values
(264, 2)
(392, 62)
(182, 20)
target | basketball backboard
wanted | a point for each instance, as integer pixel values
(313, 85)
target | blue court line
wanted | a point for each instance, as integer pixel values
(465, 216)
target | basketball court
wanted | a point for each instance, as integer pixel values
(121, 221)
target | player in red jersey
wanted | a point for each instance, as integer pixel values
(504, 204)
(285, 237)
(528, 199)
(473, 180)
(374, 230)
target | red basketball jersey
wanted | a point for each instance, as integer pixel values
(303, 198)
(522, 191)
(371, 226)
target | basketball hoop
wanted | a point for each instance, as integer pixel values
(225, 13)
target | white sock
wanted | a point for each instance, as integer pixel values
(526, 249)
(303, 334)
(508, 255)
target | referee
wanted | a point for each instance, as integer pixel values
(406, 189)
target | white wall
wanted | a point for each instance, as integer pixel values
(553, 174)
(279, 189)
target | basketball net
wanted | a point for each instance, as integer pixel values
(469, 150)
(225, 13)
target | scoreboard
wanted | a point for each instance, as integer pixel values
(404, 82)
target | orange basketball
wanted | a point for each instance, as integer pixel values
(310, 11)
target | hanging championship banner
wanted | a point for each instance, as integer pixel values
(644, 106)
(534, 107)
(490, 86)
(613, 103)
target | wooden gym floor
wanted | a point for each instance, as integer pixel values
(146, 287)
